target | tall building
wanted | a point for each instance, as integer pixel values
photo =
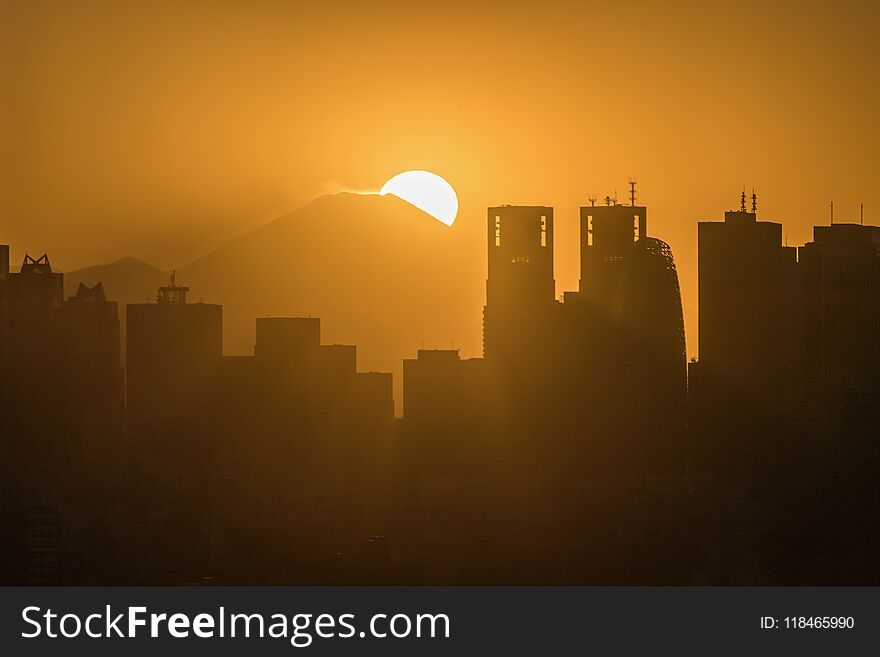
(520, 288)
(61, 400)
(841, 279)
(746, 290)
(448, 457)
(33, 440)
(630, 280)
(624, 330)
(92, 375)
(447, 404)
(32, 354)
(608, 233)
(173, 355)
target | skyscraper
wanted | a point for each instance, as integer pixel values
(520, 288)
(625, 331)
(841, 278)
(746, 285)
(91, 375)
(173, 354)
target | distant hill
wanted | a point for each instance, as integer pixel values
(379, 273)
(128, 280)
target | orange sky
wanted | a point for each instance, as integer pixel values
(162, 129)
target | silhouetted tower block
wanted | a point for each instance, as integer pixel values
(841, 277)
(446, 459)
(339, 360)
(92, 376)
(746, 277)
(92, 322)
(30, 337)
(608, 233)
(284, 351)
(432, 389)
(625, 327)
(36, 283)
(520, 255)
(40, 429)
(287, 339)
(331, 376)
(629, 282)
(520, 288)
(447, 408)
(173, 353)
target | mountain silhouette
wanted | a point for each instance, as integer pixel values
(379, 273)
(128, 280)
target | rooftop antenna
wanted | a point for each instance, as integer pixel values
(754, 202)
(742, 203)
(861, 214)
(592, 200)
(832, 213)
(632, 191)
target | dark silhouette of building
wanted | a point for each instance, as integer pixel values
(92, 375)
(61, 401)
(627, 326)
(33, 436)
(451, 446)
(746, 283)
(749, 358)
(173, 353)
(783, 402)
(841, 278)
(585, 395)
(301, 447)
(520, 288)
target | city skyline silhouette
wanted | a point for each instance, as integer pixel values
(580, 446)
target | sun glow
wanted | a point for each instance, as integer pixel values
(427, 191)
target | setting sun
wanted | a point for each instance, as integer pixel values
(427, 191)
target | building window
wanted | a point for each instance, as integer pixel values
(543, 230)
(497, 230)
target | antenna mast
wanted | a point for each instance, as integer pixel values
(632, 192)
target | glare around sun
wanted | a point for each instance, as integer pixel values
(427, 191)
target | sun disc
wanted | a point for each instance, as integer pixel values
(427, 191)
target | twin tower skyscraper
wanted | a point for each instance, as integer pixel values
(607, 360)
